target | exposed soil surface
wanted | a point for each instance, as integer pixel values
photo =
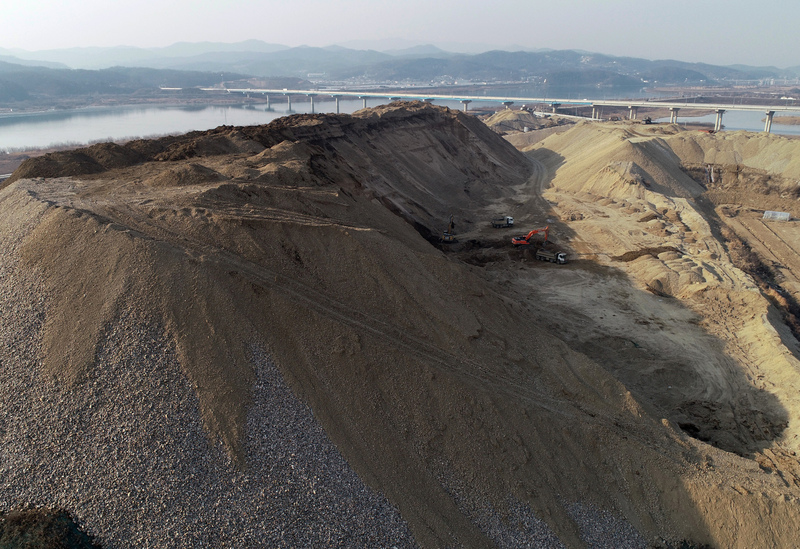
(644, 393)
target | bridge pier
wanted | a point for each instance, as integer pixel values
(336, 98)
(718, 121)
(466, 102)
(768, 125)
(289, 103)
(311, 96)
(364, 99)
(508, 104)
(269, 107)
(632, 112)
(595, 112)
(555, 107)
(673, 115)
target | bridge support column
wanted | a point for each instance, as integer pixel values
(508, 104)
(269, 107)
(632, 112)
(718, 121)
(466, 103)
(555, 106)
(768, 125)
(364, 100)
(289, 103)
(336, 98)
(595, 112)
(311, 96)
(673, 115)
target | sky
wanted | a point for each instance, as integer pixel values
(720, 32)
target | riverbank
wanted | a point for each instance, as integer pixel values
(787, 120)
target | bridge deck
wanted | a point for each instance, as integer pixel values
(627, 103)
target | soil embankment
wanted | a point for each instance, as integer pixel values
(175, 309)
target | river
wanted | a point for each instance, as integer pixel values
(81, 126)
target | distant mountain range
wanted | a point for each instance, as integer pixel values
(121, 69)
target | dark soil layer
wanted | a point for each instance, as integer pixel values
(42, 529)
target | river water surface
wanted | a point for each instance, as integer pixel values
(82, 126)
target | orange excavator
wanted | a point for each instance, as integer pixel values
(524, 240)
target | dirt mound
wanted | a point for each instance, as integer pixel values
(488, 403)
(189, 174)
(94, 159)
(218, 142)
(55, 165)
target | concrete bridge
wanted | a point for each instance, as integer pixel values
(632, 105)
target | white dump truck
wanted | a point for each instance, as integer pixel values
(543, 254)
(501, 222)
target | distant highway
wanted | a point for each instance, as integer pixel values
(596, 104)
(626, 103)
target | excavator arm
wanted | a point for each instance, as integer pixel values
(524, 240)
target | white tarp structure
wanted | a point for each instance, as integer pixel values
(776, 216)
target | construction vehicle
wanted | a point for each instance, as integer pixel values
(501, 222)
(449, 235)
(551, 256)
(525, 240)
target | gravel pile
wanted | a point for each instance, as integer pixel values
(126, 453)
(515, 526)
(600, 528)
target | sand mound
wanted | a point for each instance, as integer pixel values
(476, 402)
(771, 153)
(632, 203)
(508, 120)
(590, 146)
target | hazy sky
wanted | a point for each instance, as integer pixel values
(712, 31)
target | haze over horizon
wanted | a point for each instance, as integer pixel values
(714, 32)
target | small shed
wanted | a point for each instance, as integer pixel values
(777, 216)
